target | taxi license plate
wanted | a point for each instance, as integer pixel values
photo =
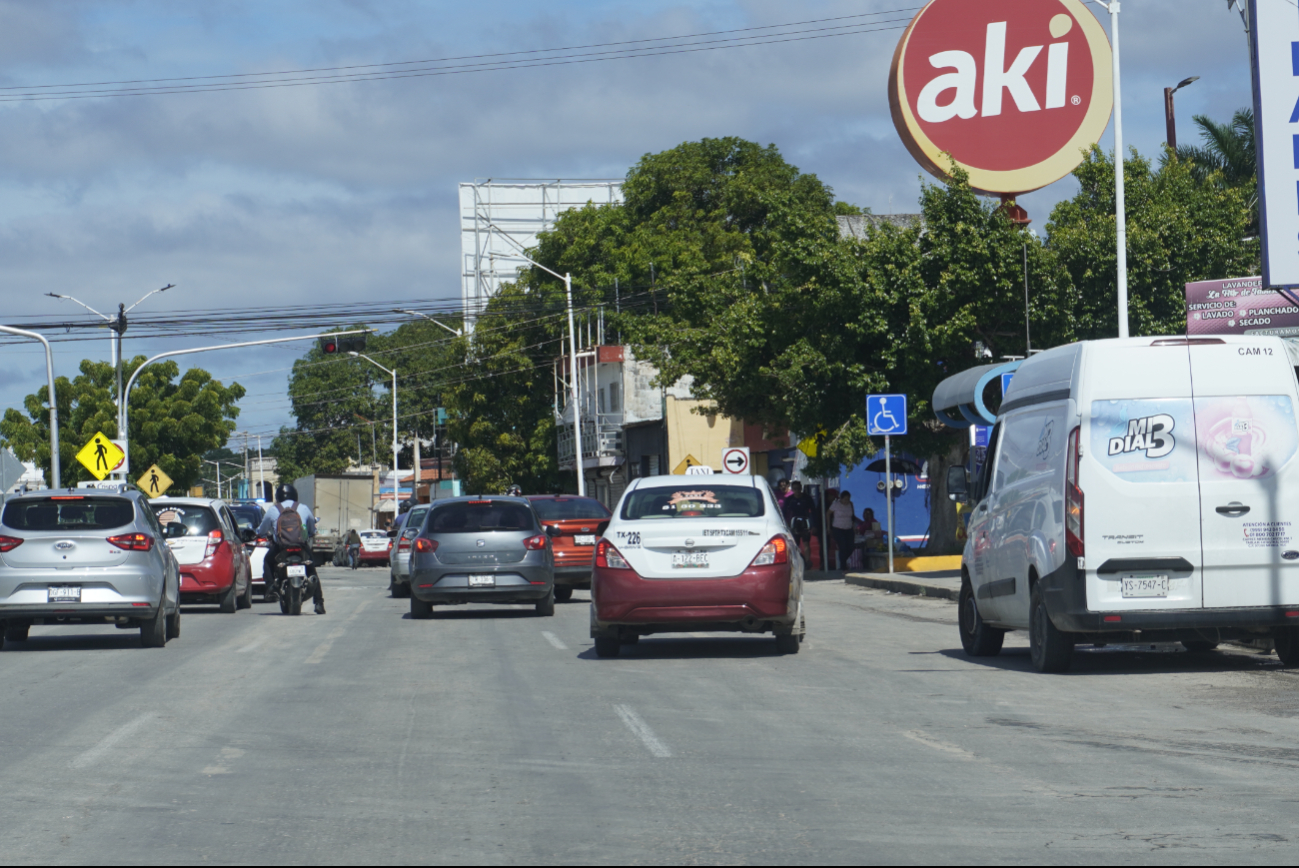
(64, 594)
(299, 571)
(584, 539)
(1145, 586)
(482, 581)
(690, 560)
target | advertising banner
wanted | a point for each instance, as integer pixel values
(1275, 36)
(1240, 306)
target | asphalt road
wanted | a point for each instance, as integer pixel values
(494, 736)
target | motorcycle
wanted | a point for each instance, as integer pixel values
(295, 578)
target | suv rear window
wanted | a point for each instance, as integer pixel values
(198, 520)
(693, 501)
(70, 513)
(246, 516)
(562, 508)
(477, 516)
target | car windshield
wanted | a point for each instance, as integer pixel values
(693, 501)
(246, 516)
(477, 516)
(562, 508)
(197, 520)
(68, 513)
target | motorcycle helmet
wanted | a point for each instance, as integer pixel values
(514, 491)
(285, 492)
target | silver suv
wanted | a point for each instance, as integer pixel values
(87, 556)
(399, 583)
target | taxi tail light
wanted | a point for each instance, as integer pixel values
(1073, 497)
(213, 543)
(132, 542)
(424, 544)
(9, 543)
(607, 557)
(536, 543)
(774, 552)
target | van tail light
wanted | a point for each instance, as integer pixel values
(213, 543)
(608, 558)
(132, 542)
(9, 543)
(423, 544)
(1073, 497)
(774, 552)
(536, 543)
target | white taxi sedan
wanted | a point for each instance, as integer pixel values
(689, 553)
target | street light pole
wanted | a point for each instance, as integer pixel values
(395, 486)
(55, 481)
(1170, 117)
(456, 332)
(1120, 210)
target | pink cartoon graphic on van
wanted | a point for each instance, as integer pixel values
(1245, 437)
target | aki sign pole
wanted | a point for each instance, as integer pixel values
(886, 416)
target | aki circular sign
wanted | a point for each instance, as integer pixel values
(1013, 91)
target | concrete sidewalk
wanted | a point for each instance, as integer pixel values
(943, 584)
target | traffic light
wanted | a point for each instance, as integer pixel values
(332, 345)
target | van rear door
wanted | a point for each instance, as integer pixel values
(1139, 478)
(1249, 481)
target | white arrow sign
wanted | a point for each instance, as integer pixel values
(735, 460)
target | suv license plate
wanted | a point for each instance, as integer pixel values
(482, 581)
(299, 571)
(1145, 586)
(584, 539)
(690, 560)
(65, 594)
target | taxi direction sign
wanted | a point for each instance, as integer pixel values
(101, 456)
(154, 482)
(886, 415)
(735, 460)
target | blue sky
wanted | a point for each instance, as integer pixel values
(305, 196)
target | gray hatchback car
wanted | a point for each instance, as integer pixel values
(87, 556)
(481, 550)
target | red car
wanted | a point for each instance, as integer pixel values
(577, 523)
(207, 543)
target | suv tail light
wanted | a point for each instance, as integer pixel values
(1073, 497)
(536, 543)
(9, 543)
(424, 544)
(607, 557)
(774, 552)
(132, 542)
(403, 544)
(213, 543)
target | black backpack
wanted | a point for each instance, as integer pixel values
(288, 528)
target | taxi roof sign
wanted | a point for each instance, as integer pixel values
(101, 456)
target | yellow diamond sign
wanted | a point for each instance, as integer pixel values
(154, 482)
(101, 456)
(686, 463)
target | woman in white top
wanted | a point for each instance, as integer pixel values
(843, 519)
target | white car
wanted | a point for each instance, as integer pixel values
(688, 553)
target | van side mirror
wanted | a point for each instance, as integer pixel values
(551, 530)
(958, 483)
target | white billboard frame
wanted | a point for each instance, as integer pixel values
(1274, 44)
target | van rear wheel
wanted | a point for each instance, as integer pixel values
(977, 638)
(1050, 649)
(607, 646)
(1287, 645)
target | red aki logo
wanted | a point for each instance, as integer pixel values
(1013, 91)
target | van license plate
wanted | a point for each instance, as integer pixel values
(482, 581)
(64, 594)
(1145, 586)
(299, 571)
(690, 560)
(584, 539)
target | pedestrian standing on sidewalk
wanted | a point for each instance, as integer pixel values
(843, 519)
(782, 493)
(797, 509)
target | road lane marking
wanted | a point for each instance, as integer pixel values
(642, 731)
(937, 744)
(257, 643)
(323, 648)
(227, 753)
(110, 741)
(554, 640)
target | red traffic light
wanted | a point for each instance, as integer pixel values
(328, 347)
(343, 344)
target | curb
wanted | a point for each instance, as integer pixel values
(904, 586)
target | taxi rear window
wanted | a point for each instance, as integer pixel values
(693, 501)
(68, 514)
(197, 520)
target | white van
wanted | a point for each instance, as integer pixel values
(1141, 489)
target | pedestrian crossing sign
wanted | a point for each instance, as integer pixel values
(101, 456)
(154, 482)
(685, 464)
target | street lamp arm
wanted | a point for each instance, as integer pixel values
(456, 332)
(522, 254)
(82, 303)
(54, 404)
(147, 294)
(387, 371)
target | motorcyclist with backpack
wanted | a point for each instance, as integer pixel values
(288, 524)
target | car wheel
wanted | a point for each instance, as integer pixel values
(419, 609)
(1287, 645)
(787, 643)
(153, 632)
(629, 639)
(16, 631)
(546, 607)
(977, 638)
(245, 600)
(173, 624)
(398, 589)
(1050, 649)
(1199, 646)
(563, 593)
(228, 601)
(607, 646)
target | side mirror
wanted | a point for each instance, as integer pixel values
(551, 530)
(392, 532)
(958, 483)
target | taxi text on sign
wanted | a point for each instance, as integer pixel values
(1275, 35)
(1013, 90)
(154, 482)
(101, 456)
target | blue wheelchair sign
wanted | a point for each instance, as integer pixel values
(886, 415)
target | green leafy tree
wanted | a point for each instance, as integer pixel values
(1228, 150)
(171, 423)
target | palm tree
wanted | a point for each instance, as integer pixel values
(1228, 148)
